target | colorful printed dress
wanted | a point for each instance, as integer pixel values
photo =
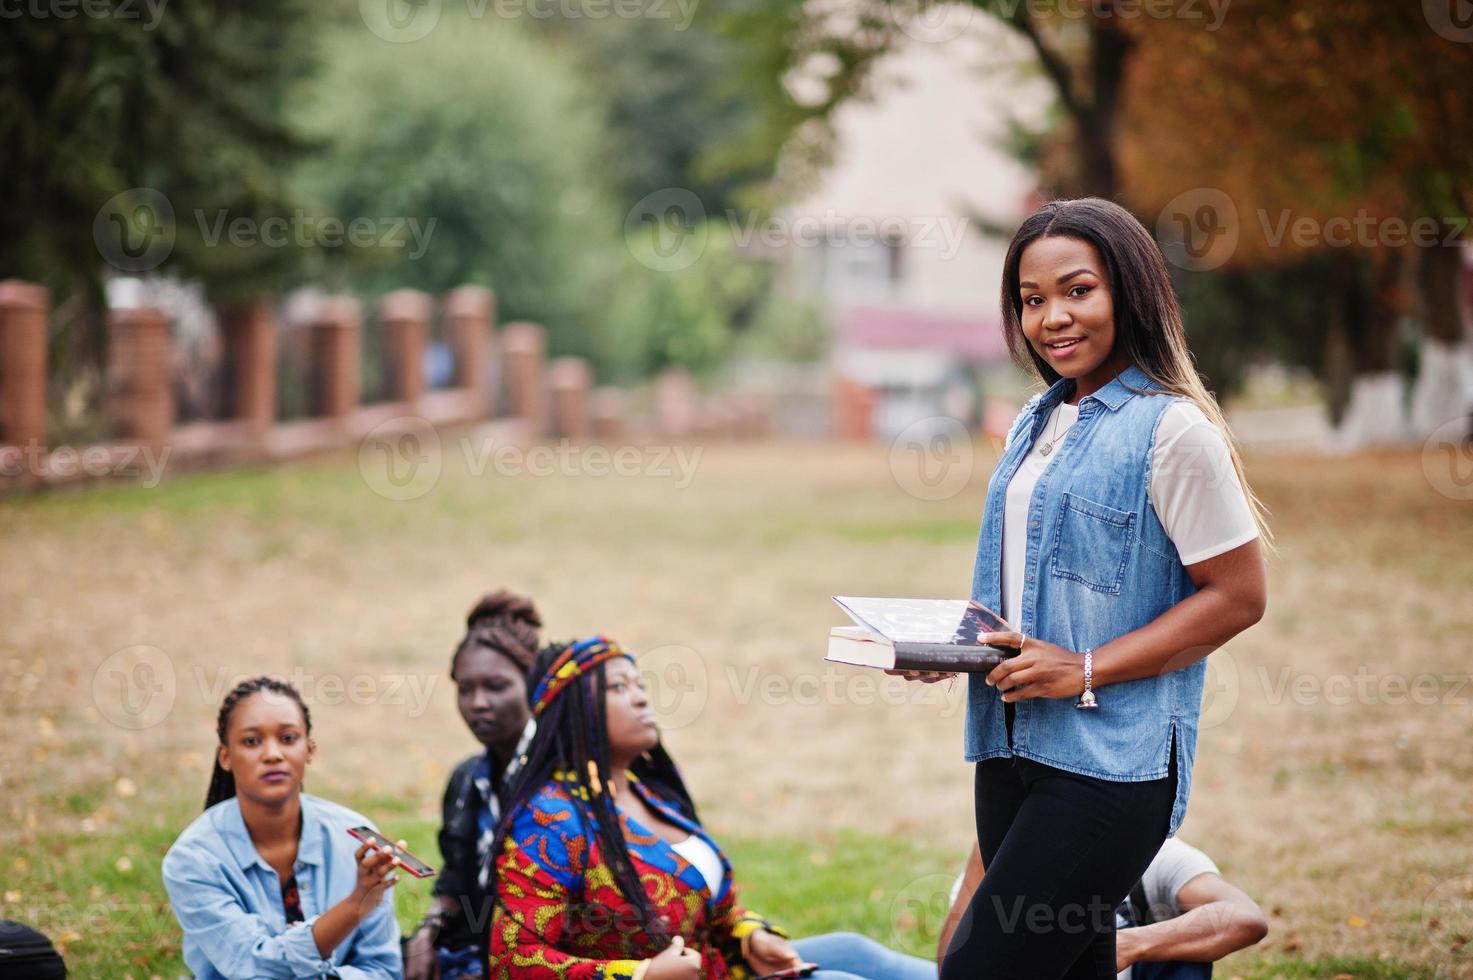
(560, 915)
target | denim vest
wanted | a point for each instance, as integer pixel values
(1098, 565)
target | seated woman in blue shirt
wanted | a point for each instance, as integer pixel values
(267, 882)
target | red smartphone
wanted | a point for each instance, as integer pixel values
(407, 861)
(791, 973)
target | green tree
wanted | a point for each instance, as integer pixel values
(484, 131)
(185, 100)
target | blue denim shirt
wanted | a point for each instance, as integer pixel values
(228, 900)
(1098, 564)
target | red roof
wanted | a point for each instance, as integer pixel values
(975, 338)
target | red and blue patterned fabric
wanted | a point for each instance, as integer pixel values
(560, 915)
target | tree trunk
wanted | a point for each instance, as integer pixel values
(1110, 48)
(1443, 389)
(1374, 414)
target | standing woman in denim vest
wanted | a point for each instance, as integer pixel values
(1120, 538)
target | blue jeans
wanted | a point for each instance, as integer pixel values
(847, 955)
(1171, 971)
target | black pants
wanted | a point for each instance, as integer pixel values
(1061, 851)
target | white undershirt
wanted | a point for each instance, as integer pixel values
(705, 859)
(1194, 490)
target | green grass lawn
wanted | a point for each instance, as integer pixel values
(1349, 822)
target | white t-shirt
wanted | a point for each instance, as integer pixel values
(1193, 488)
(706, 860)
(1173, 866)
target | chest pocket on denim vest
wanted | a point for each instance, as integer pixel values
(1092, 543)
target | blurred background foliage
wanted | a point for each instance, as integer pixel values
(528, 139)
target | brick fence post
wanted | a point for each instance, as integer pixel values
(523, 349)
(854, 406)
(140, 392)
(470, 314)
(568, 381)
(606, 409)
(677, 403)
(250, 363)
(23, 312)
(404, 318)
(335, 357)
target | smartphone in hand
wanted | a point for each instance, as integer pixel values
(405, 860)
(791, 973)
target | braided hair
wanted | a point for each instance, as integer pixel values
(505, 622)
(572, 738)
(222, 781)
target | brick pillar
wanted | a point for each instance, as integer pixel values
(677, 403)
(335, 357)
(606, 409)
(568, 382)
(854, 406)
(523, 349)
(404, 318)
(23, 311)
(470, 315)
(250, 364)
(140, 393)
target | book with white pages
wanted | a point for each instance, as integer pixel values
(917, 634)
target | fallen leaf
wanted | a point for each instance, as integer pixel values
(1356, 922)
(123, 864)
(125, 787)
(11, 897)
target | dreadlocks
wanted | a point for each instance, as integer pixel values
(572, 739)
(222, 782)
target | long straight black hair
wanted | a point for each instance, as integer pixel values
(222, 782)
(1148, 320)
(572, 737)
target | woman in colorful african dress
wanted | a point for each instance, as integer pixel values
(603, 870)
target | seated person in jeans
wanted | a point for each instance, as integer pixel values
(1180, 918)
(603, 868)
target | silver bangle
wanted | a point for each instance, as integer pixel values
(1087, 699)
